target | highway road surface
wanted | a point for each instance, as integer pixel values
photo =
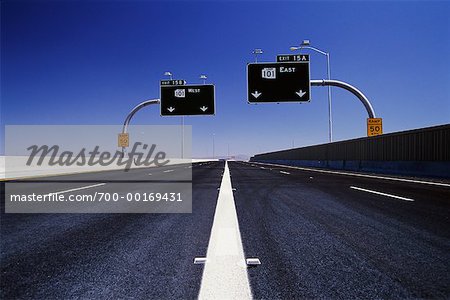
(316, 234)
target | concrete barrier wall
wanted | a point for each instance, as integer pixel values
(405, 168)
(421, 152)
(12, 167)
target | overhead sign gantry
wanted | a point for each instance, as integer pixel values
(287, 80)
(179, 99)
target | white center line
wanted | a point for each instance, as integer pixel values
(380, 193)
(77, 189)
(225, 272)
(283, 172)
(167, 171)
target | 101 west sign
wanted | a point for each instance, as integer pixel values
(187, 100)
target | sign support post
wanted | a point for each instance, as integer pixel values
(131, 114)
(349, 88)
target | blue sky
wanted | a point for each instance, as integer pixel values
(90, 62)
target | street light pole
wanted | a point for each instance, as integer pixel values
(330, 118)
(167, 73)
(213, 147)
(306, 45)
(203, 77)
(257, 52)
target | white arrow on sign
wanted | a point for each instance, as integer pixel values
(204, 108)
(301, 93)
(256, 94)
(171, 109)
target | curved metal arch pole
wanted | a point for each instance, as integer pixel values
(350, 88)
(133, 111)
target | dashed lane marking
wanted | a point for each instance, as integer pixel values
(78, 189)
(380, 193)
(359, 175)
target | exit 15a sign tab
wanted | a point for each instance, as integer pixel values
(290, 57)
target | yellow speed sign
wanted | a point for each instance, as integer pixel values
(374, 126)
(123, 140)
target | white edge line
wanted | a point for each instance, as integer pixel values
(380, 193)
(360, 175)
(77, 189)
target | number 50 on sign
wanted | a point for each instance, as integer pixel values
(374, 126)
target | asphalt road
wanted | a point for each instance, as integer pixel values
(318, 238)
(317, 235)
(108, 256)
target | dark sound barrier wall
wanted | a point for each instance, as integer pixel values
(420, 152)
